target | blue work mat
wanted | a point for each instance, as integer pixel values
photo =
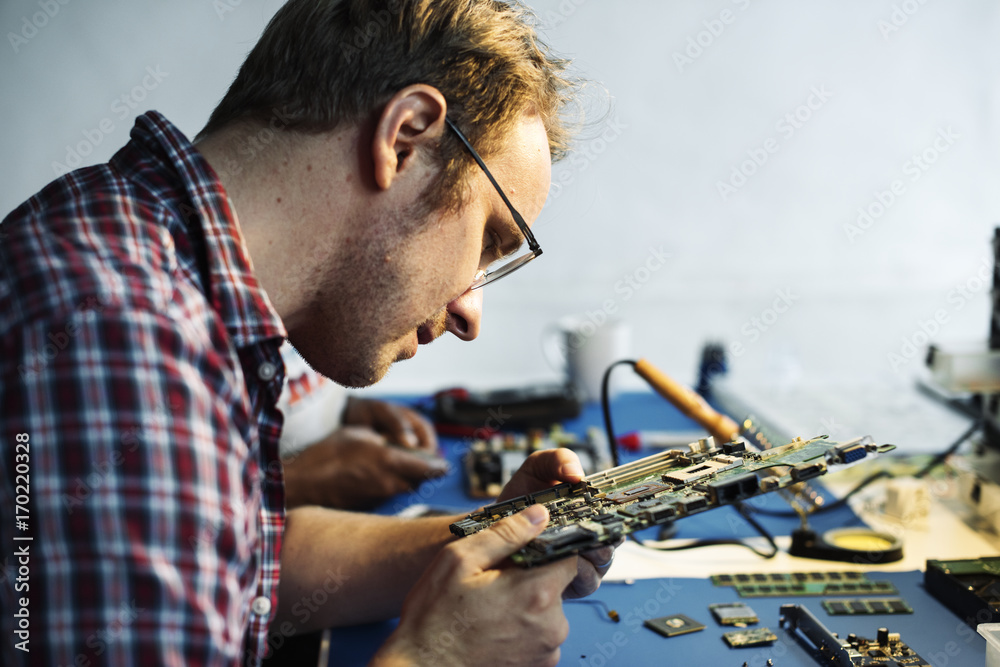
(933, 631)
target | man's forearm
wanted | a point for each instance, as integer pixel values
(344, 568)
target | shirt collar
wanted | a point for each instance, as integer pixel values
(234, 291)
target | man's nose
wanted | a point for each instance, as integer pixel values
(464, 314)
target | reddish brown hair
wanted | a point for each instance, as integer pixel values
(320, 63)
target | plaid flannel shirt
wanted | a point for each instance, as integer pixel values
(140, 356)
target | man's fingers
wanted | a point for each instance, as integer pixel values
(414, 467)
(560, 465)
(490, 547)
(541, 470)
(424, 430)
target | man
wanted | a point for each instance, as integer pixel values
(330, 199)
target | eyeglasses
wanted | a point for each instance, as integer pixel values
(534, 250)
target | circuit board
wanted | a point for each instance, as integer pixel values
(605, 506)
(489, 463)
(750, 638)
(886, 650)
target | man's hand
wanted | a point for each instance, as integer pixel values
(354, 468)
(472, 608)
(542, 470)
(399, 424)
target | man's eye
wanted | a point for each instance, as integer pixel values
(492, 250)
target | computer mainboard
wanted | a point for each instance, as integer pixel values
(605, 506)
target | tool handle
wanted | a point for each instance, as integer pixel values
(722, 428)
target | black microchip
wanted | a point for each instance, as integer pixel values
(867, 606)
(671, 626)
(837, 607)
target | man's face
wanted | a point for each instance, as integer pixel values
(391, 290)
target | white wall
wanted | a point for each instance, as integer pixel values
(647, 174)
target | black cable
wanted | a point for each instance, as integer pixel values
(939, 459)
(606, 408)
(697, 544)
(935, 462)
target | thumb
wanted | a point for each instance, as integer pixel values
(489, 547)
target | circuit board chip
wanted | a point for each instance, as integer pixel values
(733, 613)
(671, 626)
(749, 638)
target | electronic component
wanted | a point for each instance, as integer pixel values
(671, 626)
(788, 578)
(867, 606)
(733, 613)
(749, 638)
(607, 505)
(813, 589)
(534, 406)
(970, 588)
(886, 650)
(490, 463)
(796, 584)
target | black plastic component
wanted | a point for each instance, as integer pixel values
(517, 408)
(970, 588)
(804, 471)
(733, 489)
(734, 447)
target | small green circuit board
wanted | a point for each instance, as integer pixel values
(749, 638)
(811, 589)
(787, 578)
(606, 506)
(733, 613)
(867, 606)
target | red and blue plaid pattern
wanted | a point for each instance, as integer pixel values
(140, 355)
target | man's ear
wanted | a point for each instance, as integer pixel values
(411, 121)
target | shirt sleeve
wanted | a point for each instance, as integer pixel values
(144, 492)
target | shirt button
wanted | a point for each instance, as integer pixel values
(261, 606)
(266, 371)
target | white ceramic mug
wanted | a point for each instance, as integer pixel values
(582, 348)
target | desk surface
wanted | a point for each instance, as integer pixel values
(934, 632)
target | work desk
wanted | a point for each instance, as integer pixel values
(644, 583)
